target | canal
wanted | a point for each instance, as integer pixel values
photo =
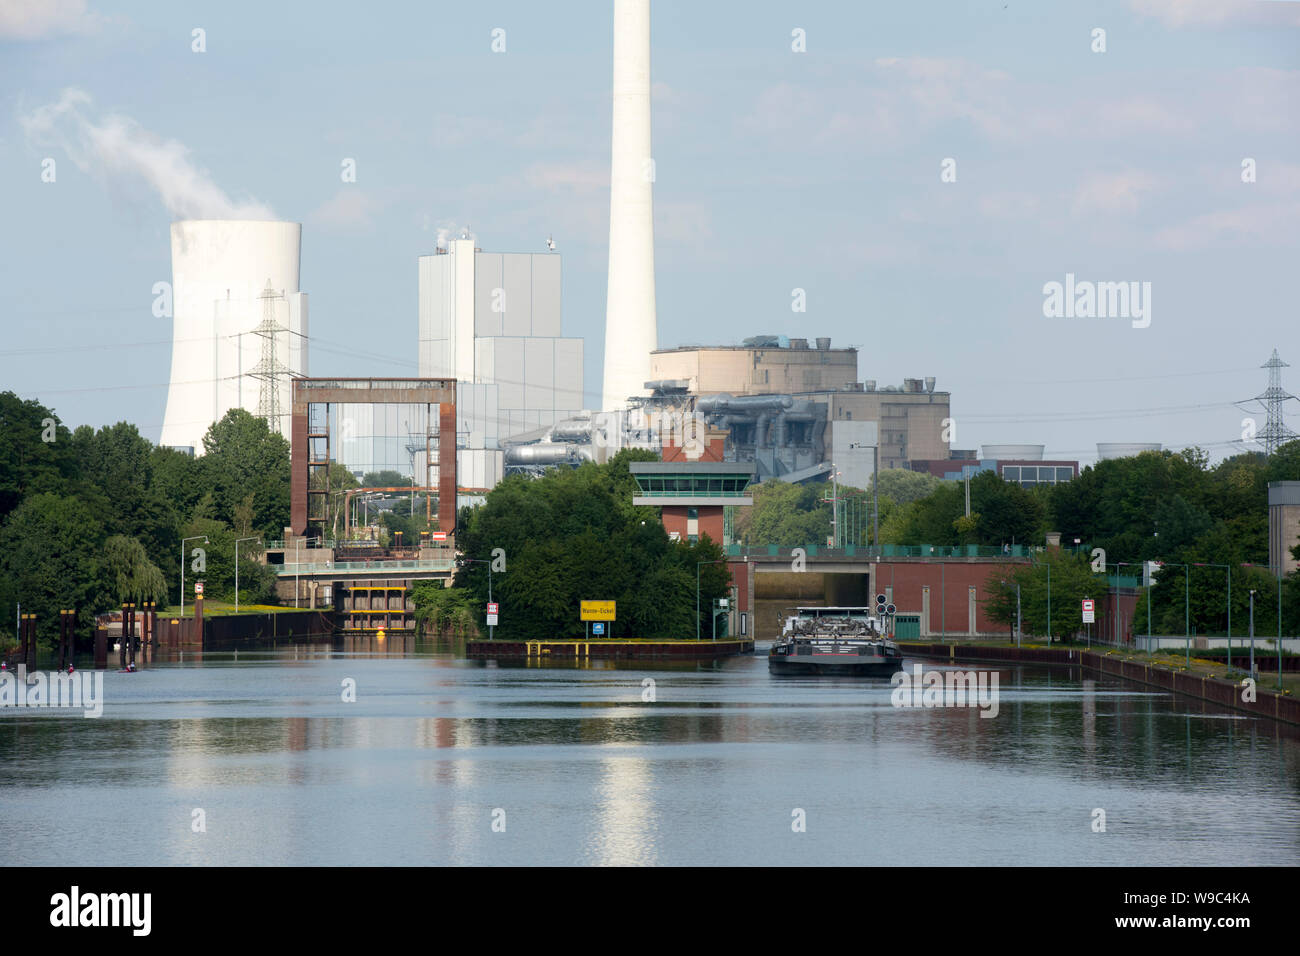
(259, 759)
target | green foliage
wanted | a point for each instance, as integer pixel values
(1001, 513)
(440, 611)
(130, 574)
(788, 515)
(216, 569)
(242, 456)
(902, 486)
(29, 464)
(383, 479)
(574, 535)
(49, 560)
(1071, 579)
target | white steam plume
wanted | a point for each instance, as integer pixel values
(117, 146)
(449, 230)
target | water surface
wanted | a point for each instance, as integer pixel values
(574, 767)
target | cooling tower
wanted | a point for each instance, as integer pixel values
(220, 272)
(631, 329)
(1012, 452)
(1123, 449)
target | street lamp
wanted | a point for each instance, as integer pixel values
(491, 627)
(1229, 570)
(1017, 612)
(297, 564)
(875, 490)
(256, 537)
(1252, 632)
(183, 540)
(698, 565)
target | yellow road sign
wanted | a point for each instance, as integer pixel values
(598, 610)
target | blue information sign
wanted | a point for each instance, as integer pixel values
(597, 627)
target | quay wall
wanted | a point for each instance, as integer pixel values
(1222, 693)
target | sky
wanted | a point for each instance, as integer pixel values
(922, 171)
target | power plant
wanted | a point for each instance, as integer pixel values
(239, 326)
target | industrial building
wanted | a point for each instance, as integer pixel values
(1283, 525)
(1022, 464)
(761, 365)
(492, 322)
(239, 325)
(794, 406)
(694, 486)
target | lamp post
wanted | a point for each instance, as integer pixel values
(491, 627)
(1229, 570)
(698, 565)
(1049, 604)
(183, 540)
(238, 541)
(1252, 632)
(1017, 612)
(875, 490)
(1187, 605)
(1279, 627)
(297, 564)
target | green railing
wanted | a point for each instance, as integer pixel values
(885, 551)
(290, 568)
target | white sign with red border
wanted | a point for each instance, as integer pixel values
(1089, 609)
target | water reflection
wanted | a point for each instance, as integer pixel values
(584, 770)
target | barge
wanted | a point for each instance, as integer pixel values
(834, 640)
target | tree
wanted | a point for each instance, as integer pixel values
(242, 457)
(382, 479)
(574, 535)
(1071, 580)
(788, 515)
(49, 560)
(132, 576)
(437, 607)
(36, 454)
(902, 486)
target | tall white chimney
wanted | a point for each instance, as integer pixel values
(631, 328)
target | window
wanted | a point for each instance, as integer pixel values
(692, 514)
(1011, 472)
(1064, 474)
(694, 538)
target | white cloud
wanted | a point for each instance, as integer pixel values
(1260, 224)
(117, 148)
(38, 19)
(350, 208)
(1215, 13)
(1110, 193)
(581, 177)
(686, 222)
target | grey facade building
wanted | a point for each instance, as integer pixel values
(1283, 525)
(492, 321)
